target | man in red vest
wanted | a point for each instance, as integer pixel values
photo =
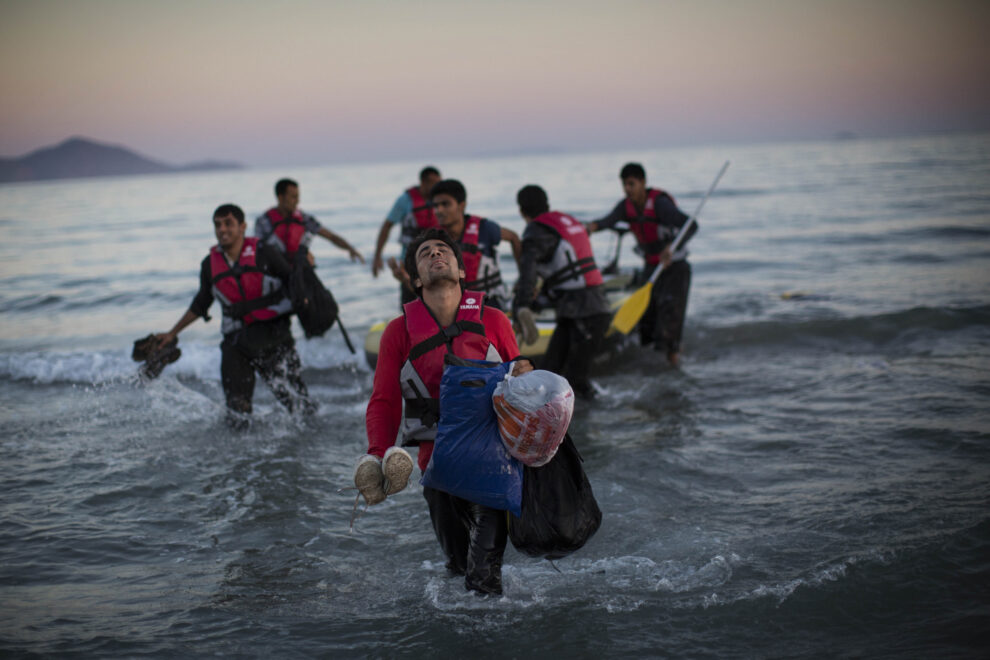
(248, 279)
(444, 318)
(413, 212)
(654, 219)
(286, 227)
(478, 239)
(556, 247)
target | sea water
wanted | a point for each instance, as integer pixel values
(814, 480)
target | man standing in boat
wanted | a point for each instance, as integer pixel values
(556, 247)
(654, 219)
(444, 318)
(288, 228)
(413, 213)
(478, 239)
(249, 279)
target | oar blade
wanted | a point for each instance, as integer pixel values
(632, 310)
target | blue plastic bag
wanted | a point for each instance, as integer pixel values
(469, 460)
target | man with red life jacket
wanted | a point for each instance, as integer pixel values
(248, 279)
(556, 248)
(478, 239)
(413, 213)
(288, 228)
(444, 318)
(654, 219)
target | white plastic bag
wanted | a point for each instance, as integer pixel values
(534, 411)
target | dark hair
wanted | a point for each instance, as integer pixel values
(431, 234)
(229, 209)
(428, 171)
(282, 185)
(451, 187)
(532, 200)
(632, 171)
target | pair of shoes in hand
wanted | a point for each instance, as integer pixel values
(377, 478)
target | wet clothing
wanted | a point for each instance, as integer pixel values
(663, 321)
(286, 234)
(472, 536)
(655, 227)
(268, 349)
(583, 314)
(264, 346)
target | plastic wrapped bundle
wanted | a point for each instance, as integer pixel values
(534, 411)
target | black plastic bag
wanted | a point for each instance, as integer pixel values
(312, 303)
(559, 511)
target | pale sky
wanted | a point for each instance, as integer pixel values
(307, 83)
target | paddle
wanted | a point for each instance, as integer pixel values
(632, 310)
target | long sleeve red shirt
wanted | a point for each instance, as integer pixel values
(384, 414)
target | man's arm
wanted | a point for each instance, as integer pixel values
(271, 260)
(376, 262)
(609, 221)
(668, 214)
(538, 245)
(199, 307)
(401, 208)
(513, 239)
(339, 241)
(262, 228)
(384, 413)
(499, 332)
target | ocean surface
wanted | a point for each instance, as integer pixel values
(814, 480)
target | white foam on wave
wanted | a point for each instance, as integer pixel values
(200, 361)
(614, 584)
(330, 352)
(823, 574)
(88, 367)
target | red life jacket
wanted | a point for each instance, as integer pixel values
(240, 289)
(573, 264)
(288, 230)
(481, 272)
(422, 213)
(421, 373)
(648, 234)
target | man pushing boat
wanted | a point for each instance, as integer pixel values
(556, 248)
(654, 219)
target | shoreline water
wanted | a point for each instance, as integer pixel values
(815, 480)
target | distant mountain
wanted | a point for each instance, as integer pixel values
(78, 157)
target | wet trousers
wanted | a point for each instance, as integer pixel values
(473, 538)
(265, 348)
(663, 322)
(572, 347)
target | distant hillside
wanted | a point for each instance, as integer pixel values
(79, 157)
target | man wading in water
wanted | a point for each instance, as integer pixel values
(444, 318)
(654, 219)
(248, 279)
